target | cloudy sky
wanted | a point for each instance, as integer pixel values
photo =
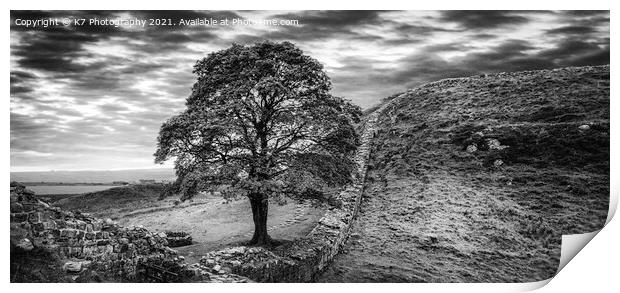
(93, 97)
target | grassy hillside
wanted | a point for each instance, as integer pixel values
(124, 198)
(553, 134)
(475, 179)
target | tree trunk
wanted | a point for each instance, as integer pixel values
(260, 206)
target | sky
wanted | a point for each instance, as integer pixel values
(92, 97)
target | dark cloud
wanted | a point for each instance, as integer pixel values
(584, 13)
(19, 76)
(427, 65)
(420, 30)
(569, 48)
(53, 50)
(25, 130)
(572, 30)
(446, 47)
(571, 52)
(18, 89)
(595, 19)
(483, 19)
(334, 18)
(177, 15)
(30, 14)
(20, 82)
(597, 57)
(325, 24)
(484, 36)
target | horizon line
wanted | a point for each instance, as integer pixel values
(93, 170)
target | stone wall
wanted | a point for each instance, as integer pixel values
(304, 259)
(81, 242)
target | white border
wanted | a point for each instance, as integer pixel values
(593, 269)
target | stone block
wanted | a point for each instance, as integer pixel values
(38, 226)
(65, 251)
(41, 242)
(80, 225)
(49, 224)
(101, 249)
(72, 241)
(76, 251)
(34, 217)
(61, 223)
(88, 251)
(25, 244)
(16, 207)
(71, 224)
(30, 206)
(68, 233)
(72, 267)
(55, 233)
(19, 217)
(103, 242)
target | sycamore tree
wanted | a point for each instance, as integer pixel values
(260, 122)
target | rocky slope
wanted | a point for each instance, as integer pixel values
(475, 179)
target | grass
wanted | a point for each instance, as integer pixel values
(119, 199)
(548, 160)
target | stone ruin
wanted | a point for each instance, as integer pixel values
(79, 241)
(178, 239)
(86, 249)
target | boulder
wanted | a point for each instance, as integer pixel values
(494, 144)
(176, 239)
(498, 163)
(72, 267)
(25, 244)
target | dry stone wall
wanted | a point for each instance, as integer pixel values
(91, 249)
(83, 243)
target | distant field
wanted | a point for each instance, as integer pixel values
(94, 176)
(68, 189)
